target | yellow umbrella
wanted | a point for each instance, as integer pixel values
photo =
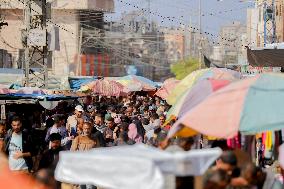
(184, 85)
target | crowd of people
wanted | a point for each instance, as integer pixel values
(115, 121)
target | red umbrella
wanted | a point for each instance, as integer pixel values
(107, 88)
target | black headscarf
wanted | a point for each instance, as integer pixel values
(140, 128)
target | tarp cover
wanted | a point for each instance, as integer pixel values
(76, 82)
(266, 57)
(128, 167)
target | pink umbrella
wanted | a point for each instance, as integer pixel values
(107, 88)
(4, 89)
(167, 87)
(249, 106)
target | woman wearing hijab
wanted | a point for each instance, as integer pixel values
(140, 129)
(133, 134)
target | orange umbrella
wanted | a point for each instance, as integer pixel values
(12, 180)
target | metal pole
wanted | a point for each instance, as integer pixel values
(274, 37)
(45, 50)
(79, 68)
(39, 79)
(264, 24)
(27, 54)
(200, 36)
(269, 28)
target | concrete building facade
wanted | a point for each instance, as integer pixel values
(231, 50)
(175, 45)
(67, 15)
(279, 19)
(252, 26)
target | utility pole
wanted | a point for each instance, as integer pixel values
(269, 14)
(200, 35)
(35, 43)
(27, 50)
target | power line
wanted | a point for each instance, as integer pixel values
(206, 33)
(194, 28)
(121, 50)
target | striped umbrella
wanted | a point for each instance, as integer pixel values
(193, 96)
(137, 83)
(106, 88)
(191, 79)
(248, 106)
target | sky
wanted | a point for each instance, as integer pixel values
(216, 12)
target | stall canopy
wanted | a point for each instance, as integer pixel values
(266, 57)
(135, 83)
(105, 88)
(209, 64)
(39, 97)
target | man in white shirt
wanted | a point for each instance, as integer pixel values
(72, 121)
(18, 147)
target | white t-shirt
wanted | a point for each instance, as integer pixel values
(16, 145)
(72, 122)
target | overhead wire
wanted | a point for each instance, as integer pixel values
(206, 33)
(143, 37)
(113, 46)
(194, 28)
(89, 11)
(127, 4)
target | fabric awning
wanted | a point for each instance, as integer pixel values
(266, 57)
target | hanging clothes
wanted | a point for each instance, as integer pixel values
(234, 143)
(269, 143)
